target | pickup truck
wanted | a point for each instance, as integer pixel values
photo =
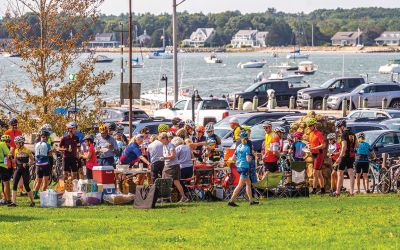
(330, 87)
(283, 92)
(209, 109)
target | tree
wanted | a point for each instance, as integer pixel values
(279, 33)
(47, 34)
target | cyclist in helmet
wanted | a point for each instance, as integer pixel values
(317, 146)
(213, 142)
(187, 131)
(175, 125)
(333, 154)
(280, 132)
(271, 149)
(243, 158)
(199, 141)
(22, 157)
(5, 174)
(235, 126)
(106, 147)
(163, 128)
(346, 157)
(69, 146)
(42, 153)
(13, 132)
(363, 151)
(296, 150)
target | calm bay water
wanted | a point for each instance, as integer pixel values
(217, 79)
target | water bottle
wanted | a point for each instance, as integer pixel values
(6, 160)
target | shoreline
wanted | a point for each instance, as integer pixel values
(320, 49)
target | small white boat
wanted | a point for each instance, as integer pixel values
(136, 64)
(103, 59)
(283, 75)
(286, 66)
(307, 68)
(8, 54)
(160, 54)
(252, 64)
(297, 55)
(393, 67)
(213, 59)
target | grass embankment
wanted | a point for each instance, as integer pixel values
(316, 222)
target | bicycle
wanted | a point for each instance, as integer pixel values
(391, 177)
(378, 180)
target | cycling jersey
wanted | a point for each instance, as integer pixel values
(270, 146)
(42, 150)
(4, 155)
(363, 151)
(316, 139)
(236, 133)
(350, 138)
(13, 133)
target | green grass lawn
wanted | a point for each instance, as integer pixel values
(318, 222)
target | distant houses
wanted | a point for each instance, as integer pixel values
(391, 38)
(348, 38)
(200, 38)
(249, 38)
(104, 40)
(144, 39)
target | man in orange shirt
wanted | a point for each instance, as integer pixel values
(272, 149)
(317, 145)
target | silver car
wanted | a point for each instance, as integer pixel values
(374, 92)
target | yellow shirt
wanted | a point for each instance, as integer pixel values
(236, 133)
(22, 152)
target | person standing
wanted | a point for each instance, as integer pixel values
(172, 169)
(271, 149)
(156, 157)
(13, 132)
(199, 141)
(42, 153)
(362, 162)
(347, 156)
(333, 154)
(69, 146)
(235, 126)
(185, 157)
(243, 159)
(317, 145)
(296, 149)
(106, 147)
(89, 155)
(4, 171)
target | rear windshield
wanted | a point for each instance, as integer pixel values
(215, 104)
(137, 114)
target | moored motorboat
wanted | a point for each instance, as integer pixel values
(252, 64)
(393, 67)
(213, 59)
(283, 75)
(286, 66)
(103, 59)
(307, 68)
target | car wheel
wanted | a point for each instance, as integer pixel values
(395, 104)
(317, 104)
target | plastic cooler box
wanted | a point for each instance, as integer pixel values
(104, 174)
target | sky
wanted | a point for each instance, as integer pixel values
(206, 6)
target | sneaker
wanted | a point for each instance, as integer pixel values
(232, 204)
(3, 202)
(368, 191)
(12, 205)
(254, 203)
(314, 191)
(184, 200)
(32, 204)
(321, 192)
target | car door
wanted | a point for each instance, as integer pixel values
(179, 108)
(369, 92)
(382, 91)
(388, 143)
(261, 92)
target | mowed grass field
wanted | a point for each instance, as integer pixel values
(360, 222)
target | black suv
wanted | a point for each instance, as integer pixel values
(121, 114)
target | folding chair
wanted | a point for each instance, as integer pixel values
(299, 183)
(164, 189)
(271, 182)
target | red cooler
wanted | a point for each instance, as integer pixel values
(104, 174)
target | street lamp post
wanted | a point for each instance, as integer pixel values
(130, 69)
(195, 99)
(122, 61)
(165, 78)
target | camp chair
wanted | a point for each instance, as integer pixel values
(299, 184)
(164, 189)
(271, 182)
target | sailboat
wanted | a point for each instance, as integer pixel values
(359, 46)
(161, 54)
(296, 53)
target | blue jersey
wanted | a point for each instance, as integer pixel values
(241, 152)
(363, 151)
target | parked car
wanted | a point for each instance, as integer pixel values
(209, 109)
(121, 114)
(222, 128)
(151, 124)
(392, 123)
(374, 92)
(283, 92)
(330, 87)
(384, 141)
(358, 127)
(372, 115)
(257, 135)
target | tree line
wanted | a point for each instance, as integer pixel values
(284, 28)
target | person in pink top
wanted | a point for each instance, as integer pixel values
(89, 156)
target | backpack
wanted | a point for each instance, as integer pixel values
(298, 151)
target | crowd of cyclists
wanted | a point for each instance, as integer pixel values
(172, 152)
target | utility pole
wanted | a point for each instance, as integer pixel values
(312, 34)
(130, 68)
(122, 62)
(175, 45)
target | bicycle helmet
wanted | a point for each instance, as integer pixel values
(47, 127)
(112, 126)
(311, 121)
(267, 124)
(340, 123)
(190, 123)
(244, 135)
(13, 121)
(181, 124)
(72, 125)
(246, 128)
(234, 120)
(89, 137)
(103, 128)
(44, 132)
(170, 134)
(163, 128)
(210, 127)
(144, 130)
(331, 136)
(5, 138)
(19, 139)
(298, 134)
(200, 129)
(279, 129)
(361, 135)
(176, 120)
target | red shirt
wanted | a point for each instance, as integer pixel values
(274, 145)
(92, 161)
(13, 133)
(316, 139)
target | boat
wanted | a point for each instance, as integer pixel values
(252, 64)
(160, 54)
(307, 68)
(8, 54)
(136, 64)
(283, 75)
(156, 97)
(103, 59)
(286, 66)
(213, 59)
(393, 67)
(297, 55)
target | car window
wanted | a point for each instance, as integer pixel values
(257, 132)
(215, 104)
(389, 139)
(379, 114)
(358, 129)
(370, 89)
(394, 114)
(255, 120)
(353, 83)
(262, 88)
(383, 88)
(153, 129)
(367, 114)
(355, 115)
(126, 129)
(180, 105)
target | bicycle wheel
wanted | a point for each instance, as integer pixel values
(396, 180)
(384, 181)
(371, 180)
